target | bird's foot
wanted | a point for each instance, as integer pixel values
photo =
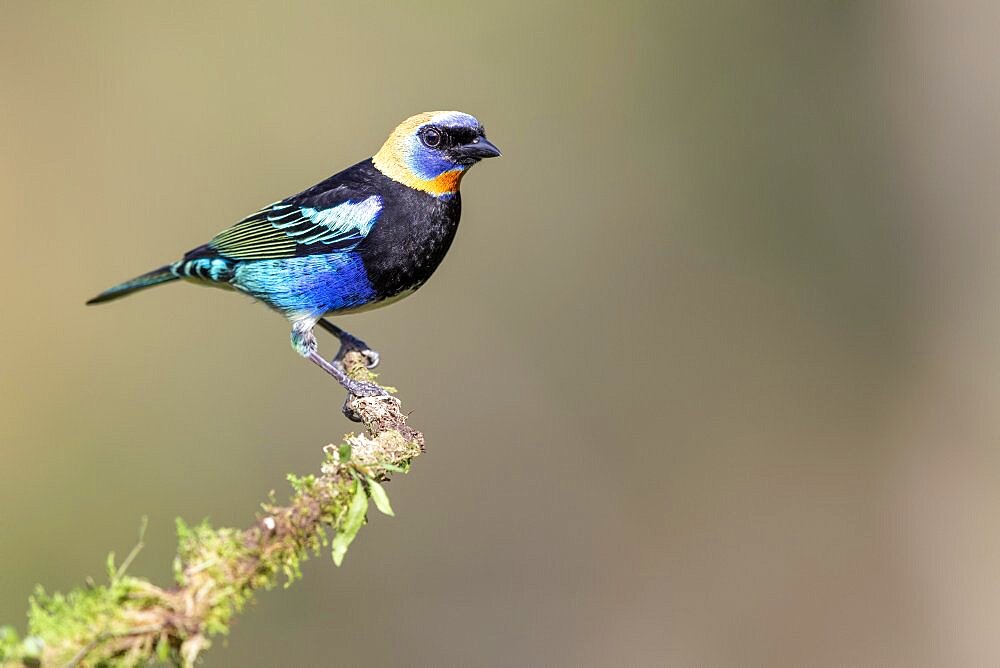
(349, 343)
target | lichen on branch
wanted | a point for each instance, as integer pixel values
(131, 621)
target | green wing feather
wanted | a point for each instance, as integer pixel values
(255, 238)
(286, 230)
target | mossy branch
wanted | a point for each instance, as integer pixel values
(130, 621)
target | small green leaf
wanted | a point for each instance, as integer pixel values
(117, 575)
(352, 523)
(178, 568)
(380, 498)
(389, 466)
(163, 649)
(10, 645)
(183, 530)
(345, 452)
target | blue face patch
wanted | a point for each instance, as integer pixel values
(428, 163)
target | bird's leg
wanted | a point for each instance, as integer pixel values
(348, 342)
(304, 343)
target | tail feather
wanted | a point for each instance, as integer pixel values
(162, 275)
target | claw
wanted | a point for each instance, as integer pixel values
(348, 342)
(371, 358)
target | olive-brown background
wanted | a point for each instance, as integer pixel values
(710, 376)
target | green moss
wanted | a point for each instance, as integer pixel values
(219, 569)
(302, 485)
(213, 556)
(11, 648)
(59, 624)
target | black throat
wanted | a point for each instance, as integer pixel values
(411, 237)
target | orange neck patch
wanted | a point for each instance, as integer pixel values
(446, 183)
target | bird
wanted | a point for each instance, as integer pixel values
(363, 238)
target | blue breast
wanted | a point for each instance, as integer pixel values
(314, 284)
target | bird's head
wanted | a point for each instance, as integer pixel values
(431, 151)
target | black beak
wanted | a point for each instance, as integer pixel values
(477, 149)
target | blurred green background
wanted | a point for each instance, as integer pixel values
(709, 377)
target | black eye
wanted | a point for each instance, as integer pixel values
(431, 137)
